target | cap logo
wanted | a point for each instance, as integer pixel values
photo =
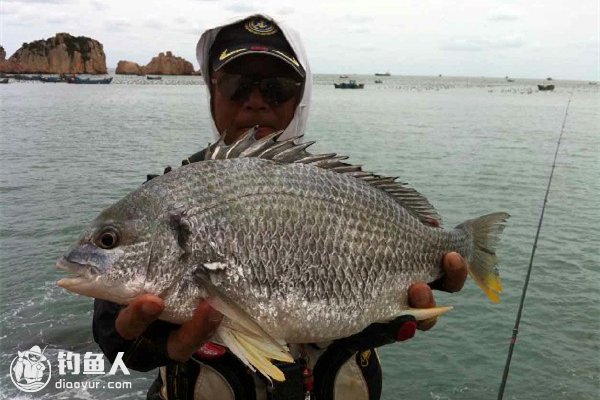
(225, 54)
(288, 58)
(261, 26)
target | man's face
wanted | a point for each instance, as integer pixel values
(236, 116)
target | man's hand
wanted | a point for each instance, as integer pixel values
(134, 319)
(421, 296)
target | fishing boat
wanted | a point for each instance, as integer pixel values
(382, 74)
(20, 77)
(349, 85)
(52, 79)
(89, 81)
(378, 81)
(545, 87)
(153, 78)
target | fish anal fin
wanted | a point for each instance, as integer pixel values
(426, 313)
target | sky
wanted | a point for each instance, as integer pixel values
(492, 38)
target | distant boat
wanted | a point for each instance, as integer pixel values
(545, 87)
(509, 80)
(548, 79)
(52, 79)
(20, 77)
(88, 81)
(382, 74)
(378, 81)
(349, 85)
(592, 83)
(5, 80)
(153, 78)
(343, 76)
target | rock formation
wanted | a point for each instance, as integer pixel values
(129, 68)
(163, 64)
(7, 66)
(62, 53)
(169, 65)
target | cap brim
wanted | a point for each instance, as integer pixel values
(228, 55)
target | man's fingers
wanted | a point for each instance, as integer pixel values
(455, 270)
(192, 334)
(134, 319)
(421, 296)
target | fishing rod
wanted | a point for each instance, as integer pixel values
(515, 331)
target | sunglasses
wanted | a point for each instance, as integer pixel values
(275, 90)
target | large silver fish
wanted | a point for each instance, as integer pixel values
(290, 247)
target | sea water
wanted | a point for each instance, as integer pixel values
(470, 145)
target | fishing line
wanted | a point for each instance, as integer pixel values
(515, 331)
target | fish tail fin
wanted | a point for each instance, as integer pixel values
(482, 264)
(255, 353)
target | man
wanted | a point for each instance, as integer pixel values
(257, 75)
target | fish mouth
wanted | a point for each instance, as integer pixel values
(87, 280)
(79, 274)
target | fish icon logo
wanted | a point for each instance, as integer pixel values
(30, 370)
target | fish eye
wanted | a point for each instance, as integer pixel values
(108, 238)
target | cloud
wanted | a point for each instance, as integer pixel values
(468, 44)
(504, 15)
(180, 21)
(38, 1)
(99, 5)
(355, 18)
(118, 25)
(242, 8)
(285, 10)
(57, 19)
(153, 23)
(359, 29)
(10, 9)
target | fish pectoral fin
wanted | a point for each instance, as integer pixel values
(256, 352)
(243, 336)
(242, 321)
(426, 313)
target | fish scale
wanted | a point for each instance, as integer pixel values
(307, 250)
(291, 195)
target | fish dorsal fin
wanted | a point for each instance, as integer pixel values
(288, 151)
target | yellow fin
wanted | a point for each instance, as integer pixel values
(490, 291)
(482, 264)
(280, 353)
(426, 313)
(255, 352)
(494, 283)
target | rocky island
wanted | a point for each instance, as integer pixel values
(60, 54)
(163, 64)
(67, 54)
